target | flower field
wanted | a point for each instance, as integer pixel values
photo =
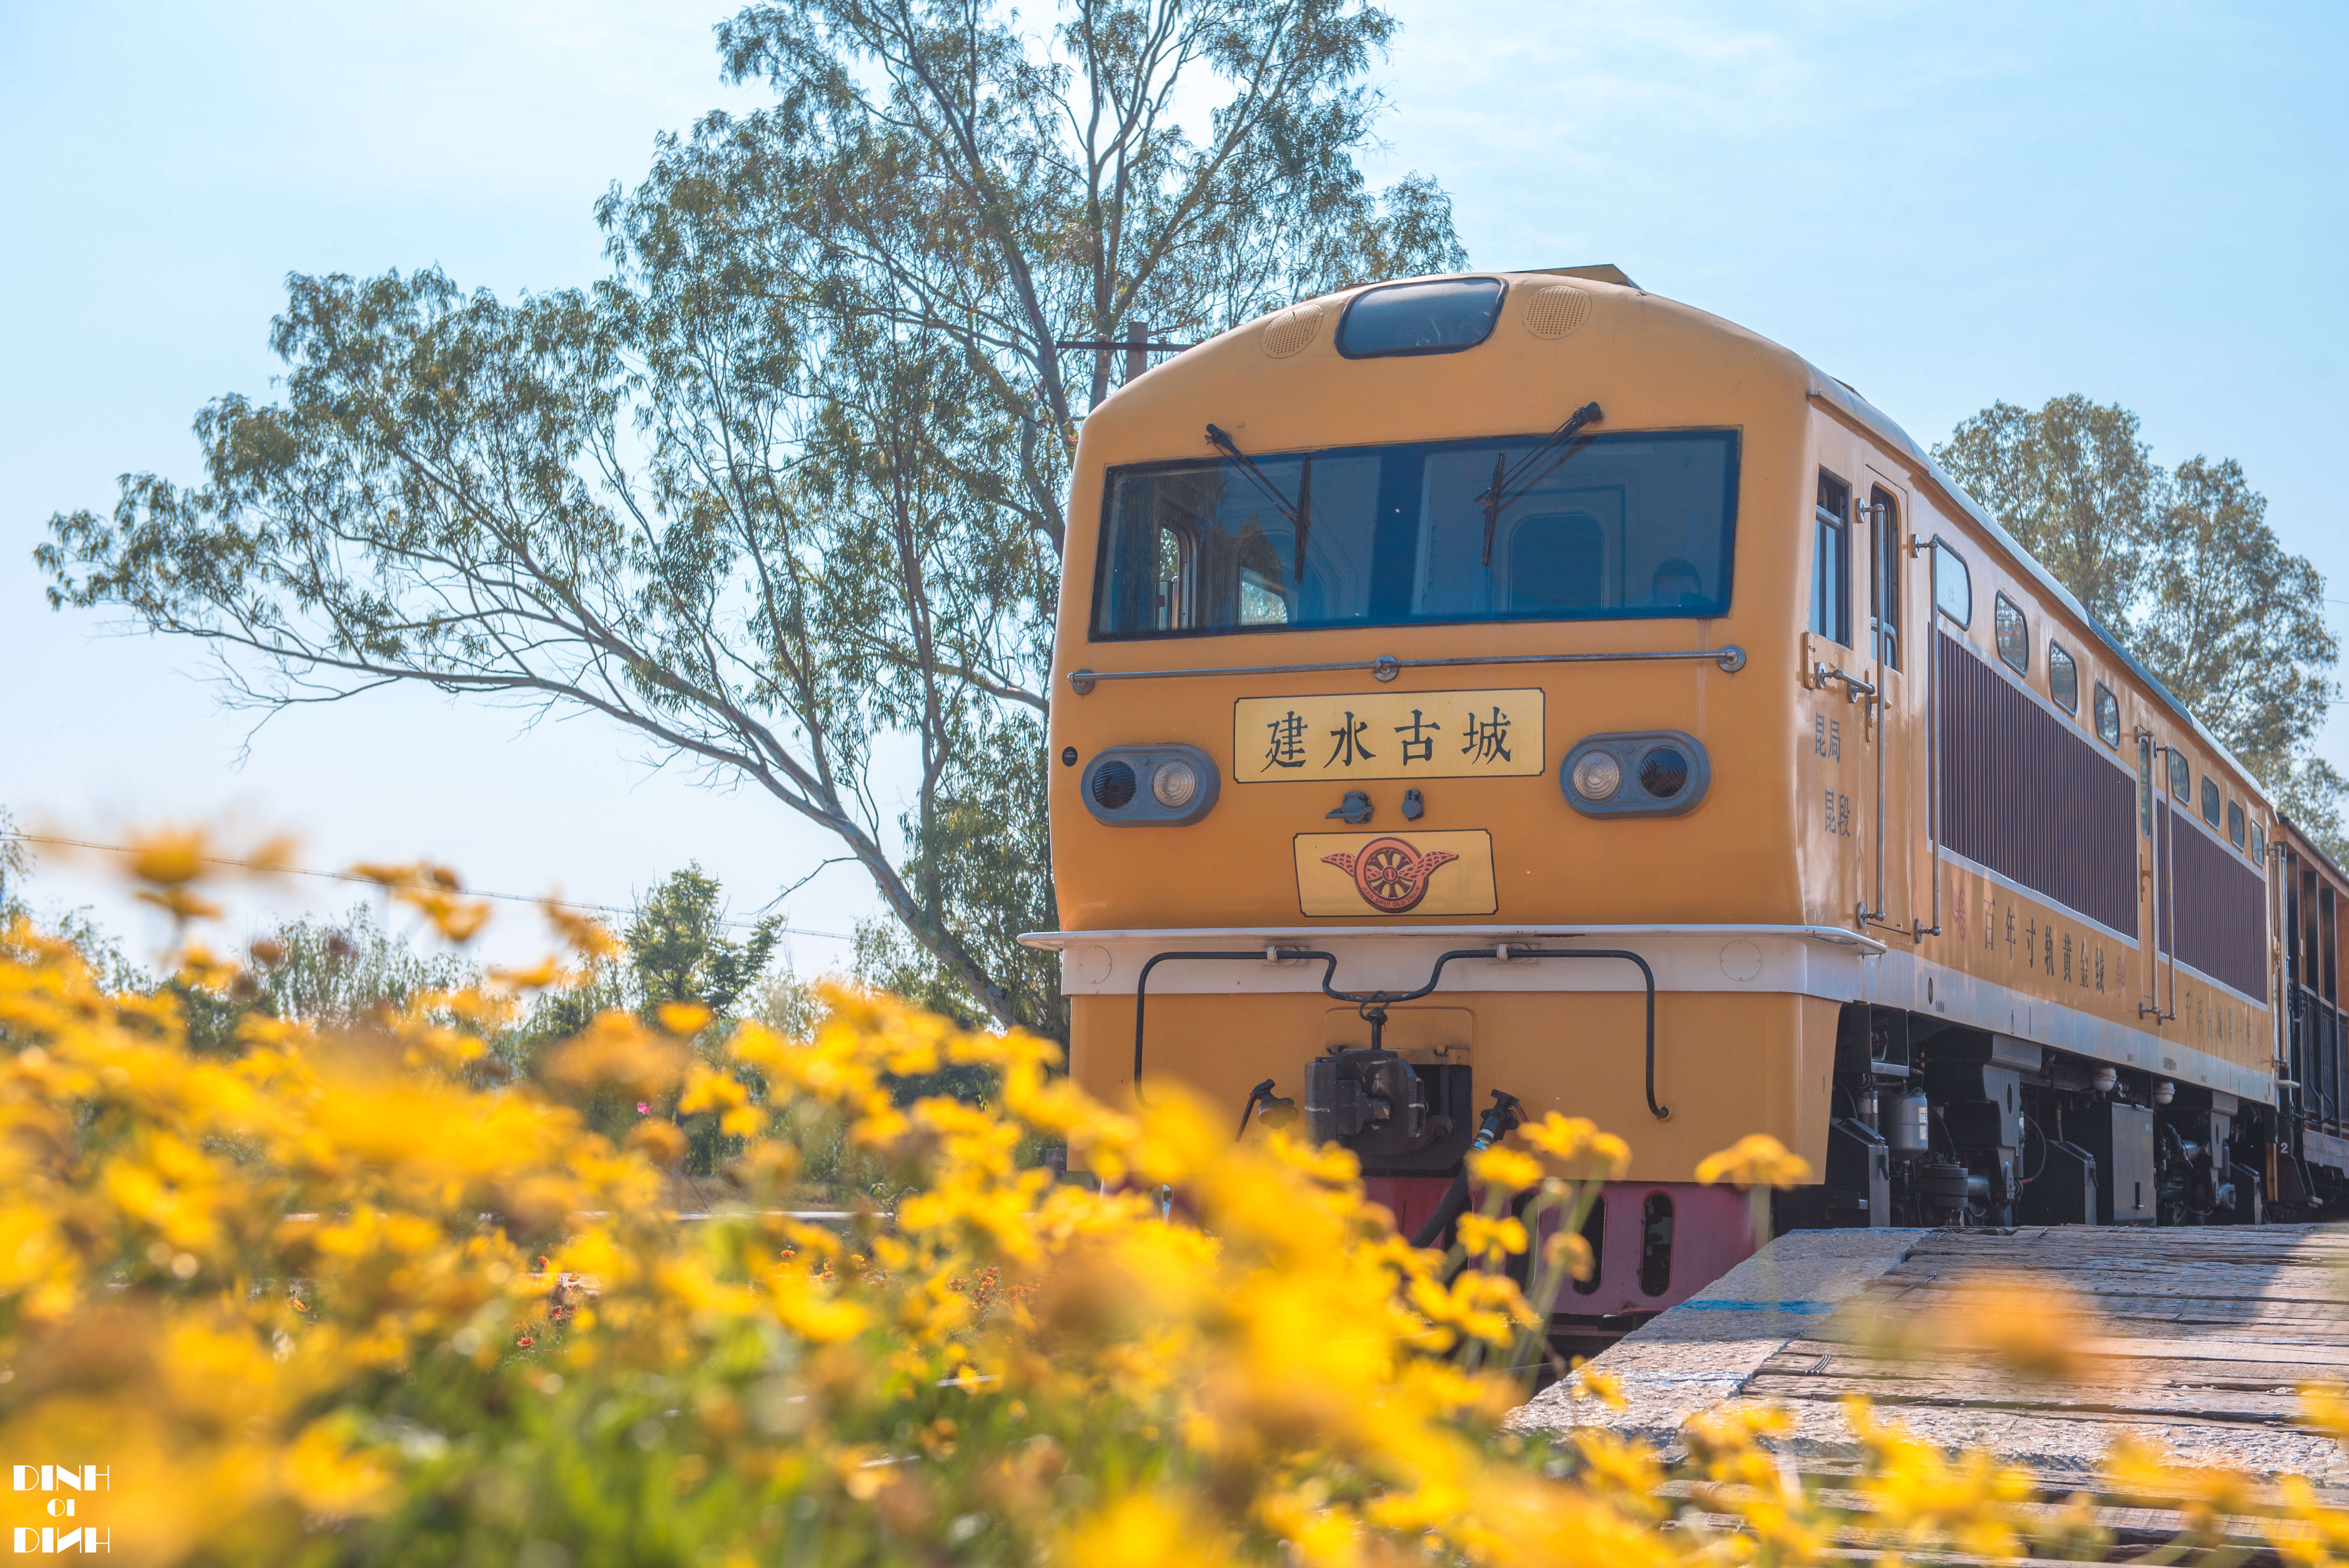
(344, 1297)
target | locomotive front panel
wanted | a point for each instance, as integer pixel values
(1371, 655)
(1524, 692)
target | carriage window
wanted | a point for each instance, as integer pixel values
(2014, 635)
(2260, 847)
(1884, 573)
(2181, 776)
(2063, 677)
(2235, 822)
(1831, 561)
(1612, 527)
(1439, 317)
(2108, 716)
(1953, 585)
(2209, 800)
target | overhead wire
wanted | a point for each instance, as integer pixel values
(371, 882)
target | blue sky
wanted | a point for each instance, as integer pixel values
(1943, 205)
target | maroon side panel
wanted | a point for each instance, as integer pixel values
(2031, 797)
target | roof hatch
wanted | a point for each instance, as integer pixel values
(1602, 273)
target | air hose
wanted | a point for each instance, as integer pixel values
(1505, 1114)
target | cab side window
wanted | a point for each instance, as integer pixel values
(2235, 824)
(1884, 573)
(2209, 800)
(1831, 561)
(2014, 635)
(1953, 585)
(2063, 677)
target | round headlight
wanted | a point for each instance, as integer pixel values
(1112, 785)
(1175, 784)
(1665, 772)
(1597, 775)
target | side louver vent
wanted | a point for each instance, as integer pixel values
(1292, 331)
(1556, 309)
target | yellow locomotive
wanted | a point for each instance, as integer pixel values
(1523, 690)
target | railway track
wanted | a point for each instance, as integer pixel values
(2197, 1339)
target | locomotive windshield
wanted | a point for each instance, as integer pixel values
(1631, 526)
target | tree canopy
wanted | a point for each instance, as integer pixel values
(2181, 566)
(789, 481)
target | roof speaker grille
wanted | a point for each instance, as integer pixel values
(1555, 310)
(1292, 331)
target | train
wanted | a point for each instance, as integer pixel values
(1499, 693)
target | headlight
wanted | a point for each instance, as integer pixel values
(1635, 773)
(1112, 785)
(1597, 775)
(1149, 786)
(1175, 783)
(1663, 772)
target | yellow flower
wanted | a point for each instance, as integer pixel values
(683, 1019)
(1509, 1170)
(1144, 1530)
(587, 937)
(1756, 1160)
(616, 1049)
(170, 857)
(2032, 1326)
(707, 1089)
(331, 1479)
(546, 972)
(1570, 1251)
(1575, 1141)
(1489, 1239)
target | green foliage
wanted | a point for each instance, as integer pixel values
(2184, 568)
(98, 949)
(984, 857)
(791, 479)
(333, 975)
(679, 951)
(2075, 483)
(336, 974)
(15, 865)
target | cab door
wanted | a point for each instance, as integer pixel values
(1896, 655)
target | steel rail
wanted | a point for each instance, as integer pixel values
(1500, 951)
(1386, 666)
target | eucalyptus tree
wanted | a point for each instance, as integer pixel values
(2076, 483)
(2183, 567)
(783, 494)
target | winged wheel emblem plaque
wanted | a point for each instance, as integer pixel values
(1389, 873)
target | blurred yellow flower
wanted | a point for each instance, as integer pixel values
(1570, 1251)
(1490, 1239)
(1757, 1159)
(617, 1050)
(1509, 1170)
(683, 1019)
(1578, 1143)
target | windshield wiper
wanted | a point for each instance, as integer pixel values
(1300, 516)
(1536, 467)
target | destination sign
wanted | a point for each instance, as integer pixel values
(1387, 735)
